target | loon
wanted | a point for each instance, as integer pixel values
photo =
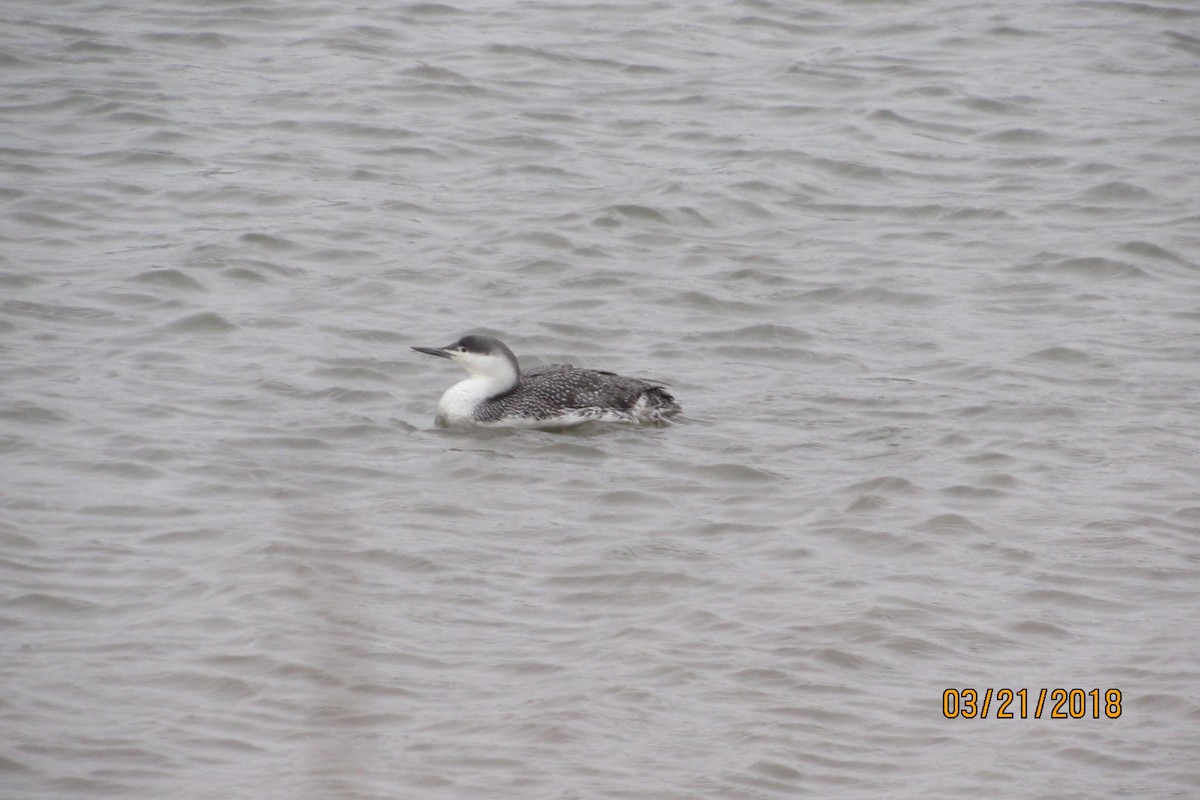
(498, 394)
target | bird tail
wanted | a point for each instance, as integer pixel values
(660, 404)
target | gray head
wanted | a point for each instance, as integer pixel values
(480, 356)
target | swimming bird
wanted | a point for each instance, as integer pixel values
(498, 394)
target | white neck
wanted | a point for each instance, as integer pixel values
(457, 406)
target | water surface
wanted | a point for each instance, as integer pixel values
(924, 277)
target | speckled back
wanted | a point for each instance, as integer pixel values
(545, 392)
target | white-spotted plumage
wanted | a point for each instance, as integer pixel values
(498, 394)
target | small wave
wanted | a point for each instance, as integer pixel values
(1153, 251)
(202, 322)
(31, 413)
(886, 484)
(1116, 192)
(89, 47)
(209, 40)
(269, 242)
(875, 295)
(169, 278)
(1099, 267)
(1018, 136)
(1062, 355)
(1040, 629)
(950, 523)
(763, 333)
(50, 604)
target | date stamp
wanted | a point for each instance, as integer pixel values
(1010, 704)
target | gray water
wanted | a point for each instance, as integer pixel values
(925, 277)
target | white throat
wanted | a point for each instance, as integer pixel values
(490, 376)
